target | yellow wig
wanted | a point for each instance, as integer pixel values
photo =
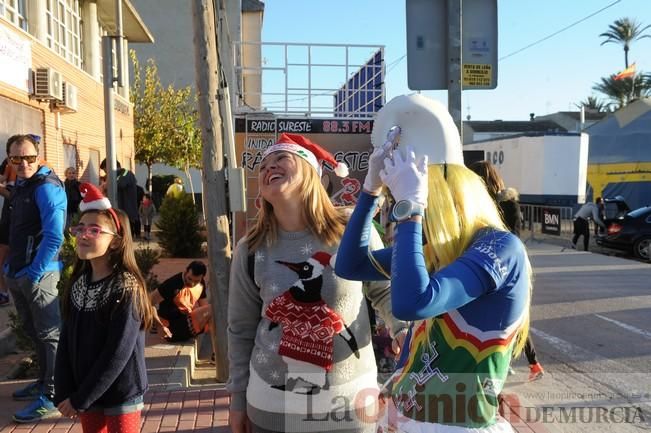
(458, 205)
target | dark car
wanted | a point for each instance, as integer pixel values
(627, 230)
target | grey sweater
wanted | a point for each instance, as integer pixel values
(299, 338)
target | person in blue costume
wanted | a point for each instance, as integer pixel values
(456, 272)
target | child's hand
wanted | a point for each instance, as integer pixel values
(66, 409)
(166, 332)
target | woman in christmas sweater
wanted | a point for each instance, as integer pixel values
(464, 282)
(300, 351)
(100, 371)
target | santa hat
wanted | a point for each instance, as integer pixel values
(93, 199)
(319, 260)
(314, 154)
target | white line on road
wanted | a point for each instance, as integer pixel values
(626, 326)
(590, 268)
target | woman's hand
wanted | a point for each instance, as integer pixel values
(398, 342)
(239, 421)
(406, 177)
(372, 182)
(66, 409)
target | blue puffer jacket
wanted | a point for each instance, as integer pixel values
(37, 216)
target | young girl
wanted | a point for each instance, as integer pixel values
(100, 367)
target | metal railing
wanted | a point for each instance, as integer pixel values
(532, 216)
(324, 80)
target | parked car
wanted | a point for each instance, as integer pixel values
(627, 230)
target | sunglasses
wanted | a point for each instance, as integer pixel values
(30, 159)
(91, 232)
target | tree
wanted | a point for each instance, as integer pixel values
(593, 103)
(148, 123)
(165, 122)
(187, 148)
(622, 92)
(624, 31)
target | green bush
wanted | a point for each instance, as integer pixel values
(178, 222)
(147, 259)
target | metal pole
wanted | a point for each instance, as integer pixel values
(111, 158)
(118, 43)
(455, 61)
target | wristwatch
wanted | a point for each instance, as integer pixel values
(405, 209)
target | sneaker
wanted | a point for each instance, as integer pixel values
(535, 372)
(4, 299)
(511, 371)
(40, 408)
(30, 392)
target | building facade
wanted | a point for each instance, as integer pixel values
(51, 80)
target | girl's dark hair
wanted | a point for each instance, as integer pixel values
(489, 174)
(122, 259)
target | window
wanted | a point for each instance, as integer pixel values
(64, 29)
(14, 12)
(70, 155)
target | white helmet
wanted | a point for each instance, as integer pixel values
(425, 125)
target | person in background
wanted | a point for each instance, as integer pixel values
(146, 211)
(457, 274)
(7, 181)
(602, 214)
(127, 194)
(299, 337)
(140, 195)
(72, 193)
(101, 375)
(183, 308)
(507, 200)
(32, 269)
(175, 189)
(589, 211)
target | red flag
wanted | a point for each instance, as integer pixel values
(628, 72)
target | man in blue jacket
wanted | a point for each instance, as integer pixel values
(36, 223)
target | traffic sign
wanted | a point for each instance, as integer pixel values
(427, 44)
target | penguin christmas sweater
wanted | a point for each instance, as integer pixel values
(300, 351)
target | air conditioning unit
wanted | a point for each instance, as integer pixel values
(69, 102)
(47, 84)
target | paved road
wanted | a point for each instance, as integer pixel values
(591, 324)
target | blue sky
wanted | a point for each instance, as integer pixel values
(548, 77)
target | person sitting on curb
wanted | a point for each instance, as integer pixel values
(183, 309)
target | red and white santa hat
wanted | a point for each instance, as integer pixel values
(93, 199)
(319, 260)
(314, 154)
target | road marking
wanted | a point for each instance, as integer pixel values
(590, 268)
(626, 326)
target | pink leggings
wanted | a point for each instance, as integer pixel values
(97, 422)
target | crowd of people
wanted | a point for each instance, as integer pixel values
(305, 283)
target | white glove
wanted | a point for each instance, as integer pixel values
(406, 178)
(372, 182)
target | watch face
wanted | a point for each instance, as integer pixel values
(402, 210)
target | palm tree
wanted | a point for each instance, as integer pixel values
(625, 31)
(594, 104)
(622, 92)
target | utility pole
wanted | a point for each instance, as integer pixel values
(207, 72)
(455, 79)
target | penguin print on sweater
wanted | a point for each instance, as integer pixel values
(309, 327)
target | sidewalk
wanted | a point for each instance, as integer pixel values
(174, 404)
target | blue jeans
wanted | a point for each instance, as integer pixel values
(37, 305)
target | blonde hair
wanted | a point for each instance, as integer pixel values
(458, 205)
(323, 219)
